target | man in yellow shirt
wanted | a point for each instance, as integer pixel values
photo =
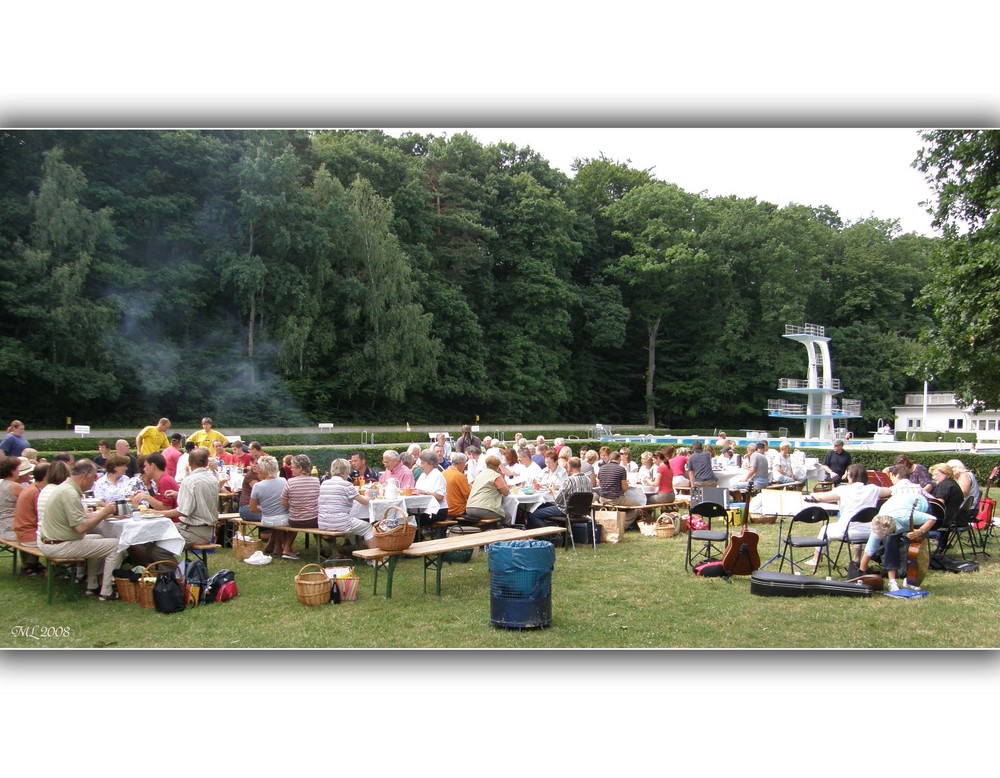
(203, 438)
(152, 440)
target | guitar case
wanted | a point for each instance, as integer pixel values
(768, 584)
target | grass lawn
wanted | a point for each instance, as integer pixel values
(635, 594)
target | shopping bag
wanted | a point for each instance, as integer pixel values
(612, 524)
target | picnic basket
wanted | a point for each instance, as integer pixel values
(127, 590)
(244, 546)
(395, 538)
(665, 527)
(144, 589)
(313, 588)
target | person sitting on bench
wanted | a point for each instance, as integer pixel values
(487, 493)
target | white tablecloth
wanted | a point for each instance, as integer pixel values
(530, 501)
(416, 503)
(729, 476)
(134, 532)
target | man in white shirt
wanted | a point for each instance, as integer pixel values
(526, 470)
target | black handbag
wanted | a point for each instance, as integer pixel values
(167, 594)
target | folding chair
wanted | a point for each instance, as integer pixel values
(578, 511)
(811, 515)
(962, 526)
(711, 540)
(864, 516)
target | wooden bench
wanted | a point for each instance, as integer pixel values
(50, 563)
(433, 551)
(201, 551)
(318, 533)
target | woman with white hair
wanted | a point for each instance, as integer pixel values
(265, 499)
(966, 479)
(431, 482)
(336, 495)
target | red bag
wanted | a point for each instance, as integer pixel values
(984, 515)
(226, 592)
(712, 569)
(696, 522)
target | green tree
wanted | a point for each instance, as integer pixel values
(660, 222)
(397, 356)
(60, 346)
(963, 344)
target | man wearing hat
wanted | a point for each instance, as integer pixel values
(172, 453)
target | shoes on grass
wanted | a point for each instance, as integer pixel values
(258, 558)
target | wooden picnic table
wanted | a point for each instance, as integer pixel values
(433, 551)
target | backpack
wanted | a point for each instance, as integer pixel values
(214, 586)
(167, 594)
(710, 569)
(197, 577)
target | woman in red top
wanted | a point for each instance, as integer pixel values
(663, 479)
(677, 463)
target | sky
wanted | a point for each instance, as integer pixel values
(859, 172)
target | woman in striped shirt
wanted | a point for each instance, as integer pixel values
(300, 498)
(336, 494)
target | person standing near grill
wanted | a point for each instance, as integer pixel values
(204, 437)
(152, 439)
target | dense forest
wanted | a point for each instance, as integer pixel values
(292, 277)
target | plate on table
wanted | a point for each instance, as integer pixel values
(150, 515)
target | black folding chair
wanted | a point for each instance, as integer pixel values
(578, 511)
(812, 515)
(711, 540)
(864, 516)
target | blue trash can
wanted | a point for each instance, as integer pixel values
(521, 583)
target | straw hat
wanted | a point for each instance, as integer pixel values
(26, 467)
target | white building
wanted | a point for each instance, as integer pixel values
(938, 412)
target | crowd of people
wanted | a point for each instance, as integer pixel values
(57, 506)
(41, 503)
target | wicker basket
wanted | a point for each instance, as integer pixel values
(244, 549)
(127, 590)
(665, 528)
(313, 588)
(144, 589)
(395, 538)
